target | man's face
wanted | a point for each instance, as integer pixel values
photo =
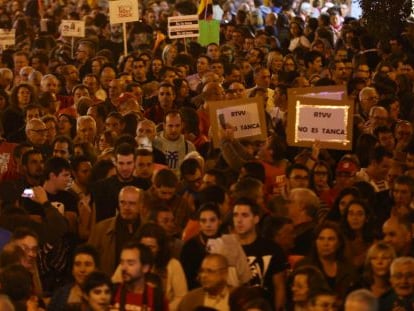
(382, 168)
(131, 267)
(317, 64)
(244, 220)
(144, 166)
(51, 131)
(253, 57)
(262, 79)
(138, 70)
(49, 85)
(114, 90)
(402, 279)
(86, 131)
(61, 150)
(340, 72)
(82, 53)
(83, 173)
(369, 99)
(298, 179)
(20, 61)
(32, 114)
(194, 181)
(116, 30)
(379, 117)
(395, 235)
(387, 140)
(125, 166)
(114, 125)
(218, 68)
(213, 52)
(166, 97)
(403, 132)
(212, 274)
(37, 134)
(35, 166)
(202, 65)
(30, 246)
(173, 127)
(166, 221)
(402, 195)
(91, 83)
(165, 193)
(363, 72)
(83, 265)
(61, 180)
(129, 204)
(107, 75)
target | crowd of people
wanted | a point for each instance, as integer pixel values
(113, 195)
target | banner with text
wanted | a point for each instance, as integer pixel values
(123, 11)
(184, 26)
(320, 113)
(245, 116)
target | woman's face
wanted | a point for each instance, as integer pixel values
(209, 223)
(343, 203)
(172, 53)
(356, 217)
(152, 245)
(103, 143)
(156, 65)
(83, 265)
(289, 65)
(394, 110)
(300, 288)
(64, 126)
(184, 90)
(99, 298)
(380, 263)
(327, 243)
(23, 96)
(320, 176)
(294, 29)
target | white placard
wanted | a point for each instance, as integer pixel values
(72, 28)
(123, 11)
(244, 119)
(323, 123)
(184, 26)
(7, 38)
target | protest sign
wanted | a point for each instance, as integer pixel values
(7, 38)
(183, 26)
(123, 11)
(320, 113)
(246, 116)
(72, 28)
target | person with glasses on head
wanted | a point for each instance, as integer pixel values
(214, 291)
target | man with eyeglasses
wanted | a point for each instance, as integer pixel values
(36, 134)
(214, 291)
(297, 177)
(368, 97)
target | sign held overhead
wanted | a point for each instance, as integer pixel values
(184, 26)
(72, 28)
(123, 11)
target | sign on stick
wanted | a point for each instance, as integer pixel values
(72, 28)
(123, 11)
(184, 26)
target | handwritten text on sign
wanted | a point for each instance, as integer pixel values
(73, 28)
(123, 11)
(323, 123)
(245, 119)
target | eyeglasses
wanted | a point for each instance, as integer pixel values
(40, 131)
(210, 271)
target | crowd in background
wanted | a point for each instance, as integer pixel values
(113, 195)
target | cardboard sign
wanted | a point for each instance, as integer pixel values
(123, 11)
(184, 26)
(7, 38)
(209, 32)
(246, 116)
(320, 113)
(72, 28)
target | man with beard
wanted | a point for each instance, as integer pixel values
(137, 290)
(115, 43)
(109, 235)
(105, 192)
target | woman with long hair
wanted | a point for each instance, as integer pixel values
(328, 256)
(358, 228)
(167, 268)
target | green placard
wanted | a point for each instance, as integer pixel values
(209, 32)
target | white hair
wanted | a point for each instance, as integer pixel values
(363, 296)
(401, 261)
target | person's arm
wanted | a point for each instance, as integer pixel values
(177, 284)
(279, 285)
(233, 151)
(54, 223)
